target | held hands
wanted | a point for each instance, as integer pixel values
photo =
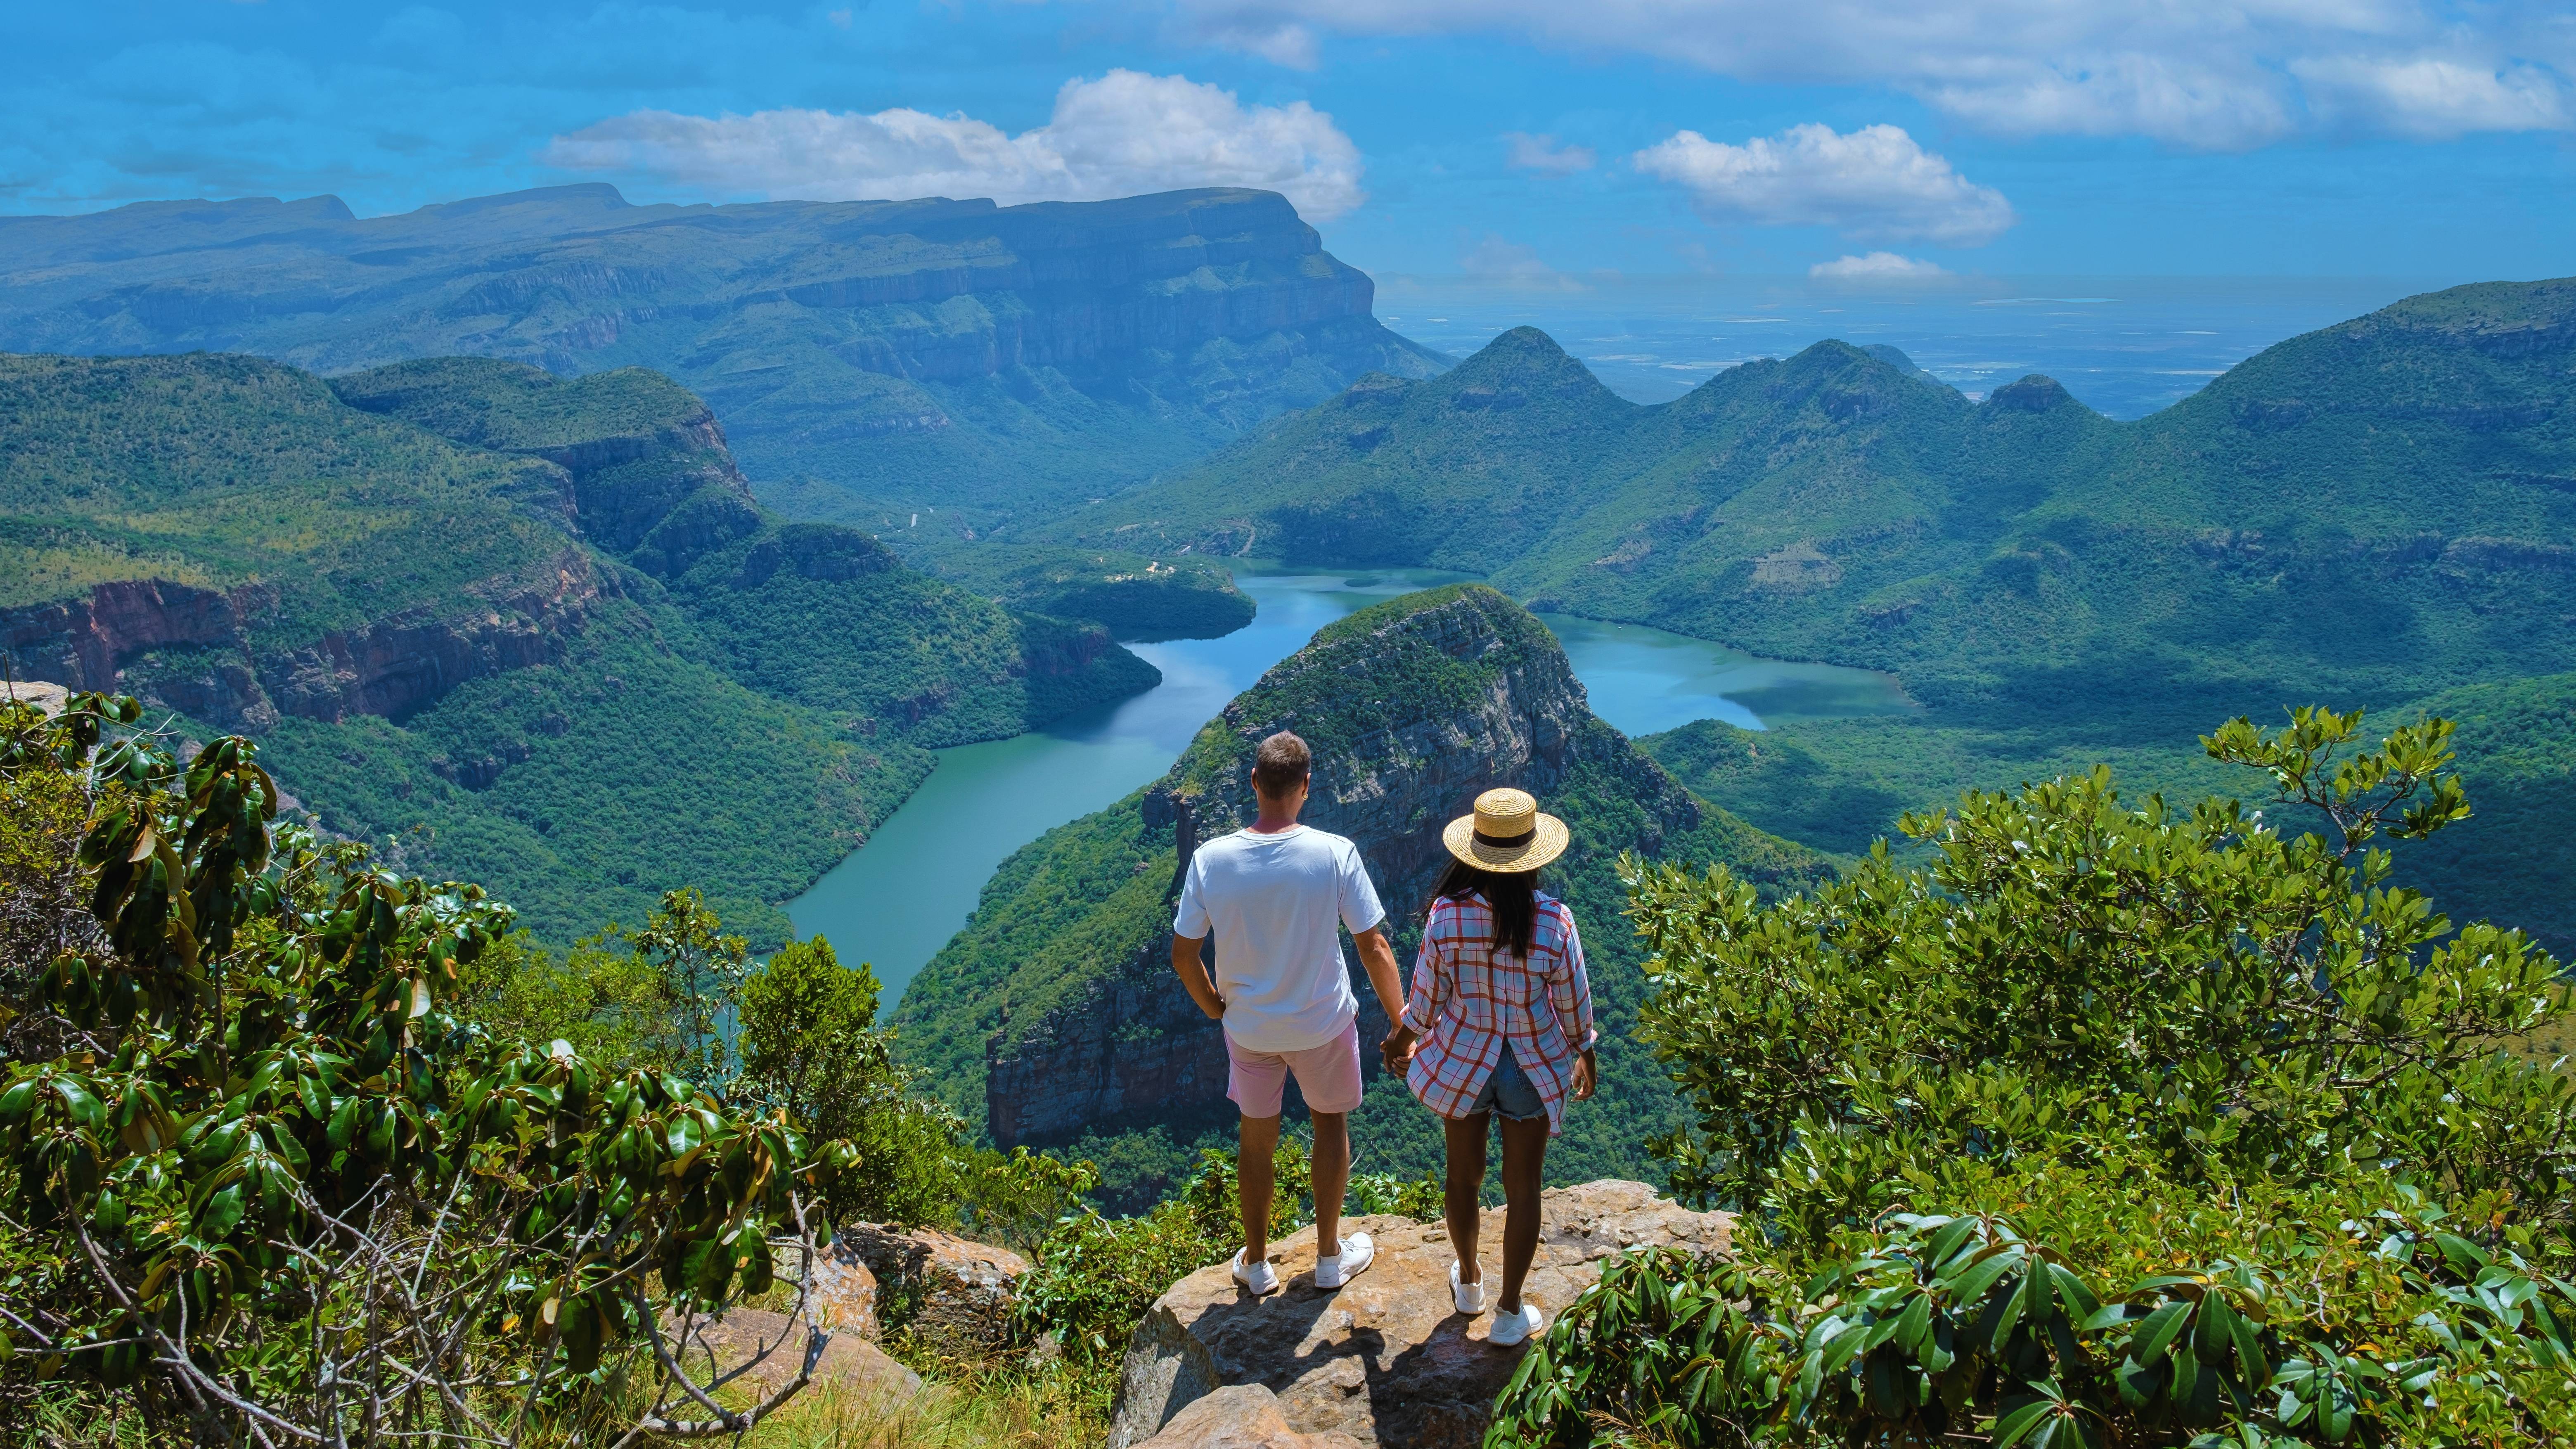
(1396, 1052)
(1584, 1077)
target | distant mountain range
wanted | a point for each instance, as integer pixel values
(869, 359)
(534, 630)
(2363, 513)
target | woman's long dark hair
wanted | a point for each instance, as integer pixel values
(1510, 895)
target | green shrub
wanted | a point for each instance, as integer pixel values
(811, 1045)
(2111, 1125)
(277, 1189)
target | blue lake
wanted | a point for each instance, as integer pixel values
(897, 900)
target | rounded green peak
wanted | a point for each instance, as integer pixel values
(2032, 394)
(1523, 358)
(1378, 618)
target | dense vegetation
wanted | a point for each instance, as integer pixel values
(1399, 703)
(2114, 1123)
(266, 1182)
(218, 471)
(1137, 597)
(1840, 785)
(534, 628)
(295, 1147)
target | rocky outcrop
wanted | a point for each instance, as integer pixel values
(1411, 711)
(1240, 1416)
(942, 1286)
(1384, 1360)
(766, 1349)
(845, 1293)
(208, 654)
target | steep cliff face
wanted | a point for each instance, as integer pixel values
(904, 348)
(1056, 1011)
(646, 472)
(534, 627)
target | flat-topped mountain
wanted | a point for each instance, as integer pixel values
(535, 628)
(935, 353)
(2361, 513)
(1054, 1013)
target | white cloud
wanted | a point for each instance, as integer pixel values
(1495, 260)
(1541, 153)
(1872, 183)
(1877, 266)
(1121, 135)
(2204, 73)
(2434, 98)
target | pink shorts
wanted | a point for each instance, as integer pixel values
(1329, 1075)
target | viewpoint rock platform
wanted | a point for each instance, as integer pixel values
(1384, 1360)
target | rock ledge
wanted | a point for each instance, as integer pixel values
(1385, 1360)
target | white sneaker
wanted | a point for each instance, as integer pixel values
(1358, 1251)
(1260, 1277)
(1514, 1328)
(1470, 1297)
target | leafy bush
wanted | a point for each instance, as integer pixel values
(2111, 1125)
(811, 1045)
(275, 1189)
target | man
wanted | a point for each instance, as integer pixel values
(1273, 895)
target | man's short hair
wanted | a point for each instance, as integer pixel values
(1281, 764)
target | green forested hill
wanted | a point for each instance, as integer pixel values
(218, 471)
(2361, 513)
(532, 629)
(1053, 1016)
(1838, 785)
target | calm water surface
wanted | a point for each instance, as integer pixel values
(896, 901)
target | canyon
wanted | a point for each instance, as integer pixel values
(1054, 1013)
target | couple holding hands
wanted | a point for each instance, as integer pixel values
(1498, 1024)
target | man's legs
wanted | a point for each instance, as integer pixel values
(1255, 1179)
(1332, 1179)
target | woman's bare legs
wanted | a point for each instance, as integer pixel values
(1462, 1200)
(1524, 1169)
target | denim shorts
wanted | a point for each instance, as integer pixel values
(1509, 1092)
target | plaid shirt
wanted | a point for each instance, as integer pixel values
(1468, 1000)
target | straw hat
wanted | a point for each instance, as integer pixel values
(1507, 833)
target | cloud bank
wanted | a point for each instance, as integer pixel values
(2204, 73)
(1121, 135)
(1871, 184)
(1875, 267)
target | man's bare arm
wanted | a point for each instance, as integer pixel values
(1378, 957)
(1194, 976)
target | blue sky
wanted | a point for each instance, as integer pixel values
(1536, 141)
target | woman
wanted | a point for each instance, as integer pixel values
(1502, 1015)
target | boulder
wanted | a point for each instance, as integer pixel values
(1240, 1416)
(1386, 1359)
(49, 698)
(852, 1362)
(941, 1285)
(845, 1293)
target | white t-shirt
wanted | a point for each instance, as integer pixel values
(1272, 903)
